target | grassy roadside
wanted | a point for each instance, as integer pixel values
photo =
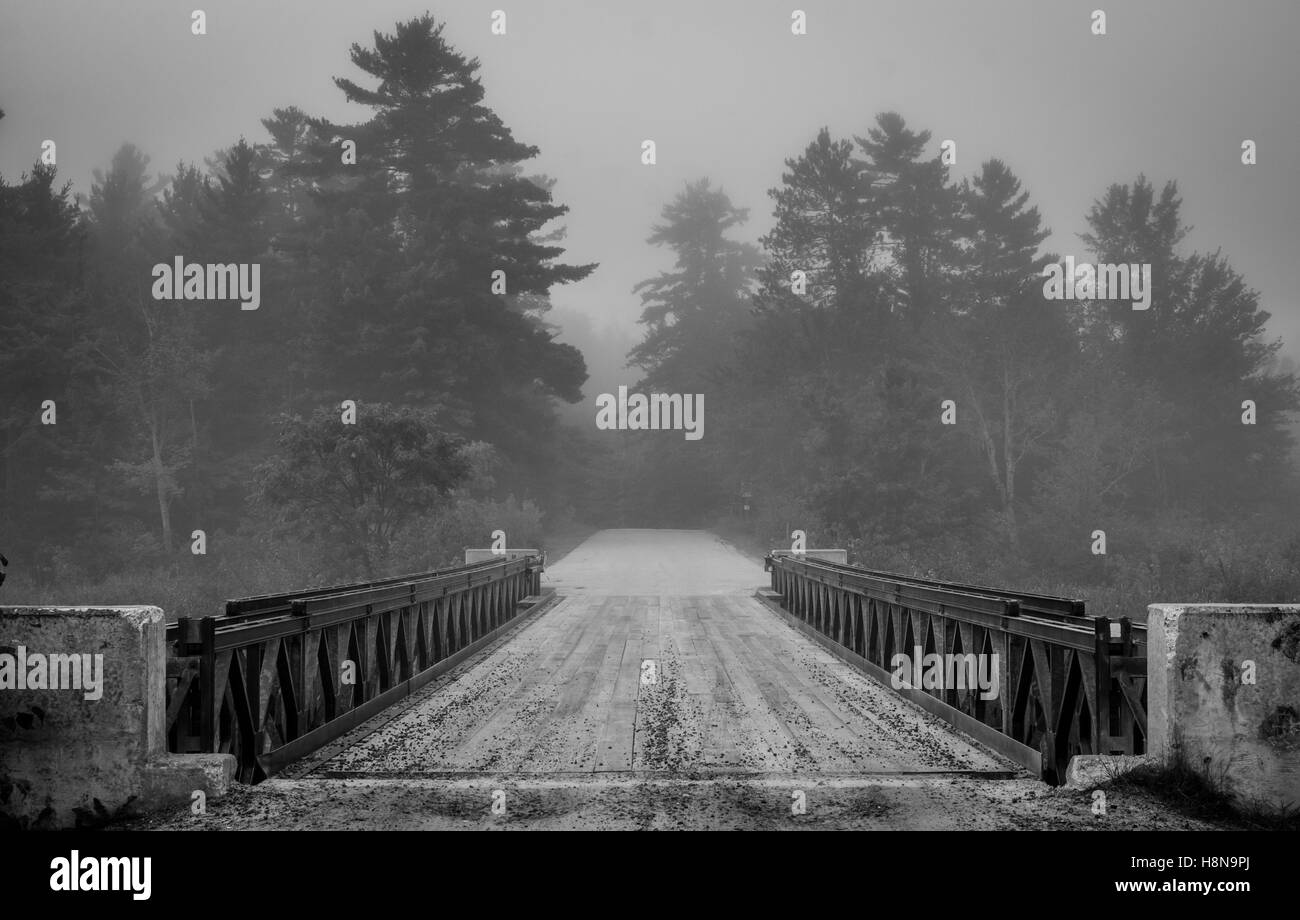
(1197, 794)
(561, 540)
(740, 538)
(200, 586)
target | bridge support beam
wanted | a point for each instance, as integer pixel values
(83, 719)
(1223, 694)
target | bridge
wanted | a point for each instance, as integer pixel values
(651, 678)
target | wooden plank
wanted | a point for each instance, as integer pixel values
(616, 747)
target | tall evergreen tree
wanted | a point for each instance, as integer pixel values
(917, 208)
(1200, 347)
(147, 350)
(433, 207)
(1004, 348)
(693, 313)
(44, 496)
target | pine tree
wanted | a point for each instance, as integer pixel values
(917, 209)
(1004, 348)
(43, 496)
(1199, 347)
(824, 227)
(413, 233)
(148, 351)
(693, 313)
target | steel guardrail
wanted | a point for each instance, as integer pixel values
(278, 675)
(1070, 683)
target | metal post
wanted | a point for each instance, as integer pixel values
(1102, 731)
(207, 685)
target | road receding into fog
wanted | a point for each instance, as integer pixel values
(672, 563)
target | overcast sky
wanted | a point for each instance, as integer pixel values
(726, 91)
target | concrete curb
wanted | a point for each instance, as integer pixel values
(1088, 771)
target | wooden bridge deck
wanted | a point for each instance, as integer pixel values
(662, 683)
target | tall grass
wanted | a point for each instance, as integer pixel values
(245, 564)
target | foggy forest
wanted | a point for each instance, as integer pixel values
(881, 370)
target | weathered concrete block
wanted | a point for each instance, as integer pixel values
(83, 716)
(1223, 693)
(1087, 771)
(174, 778)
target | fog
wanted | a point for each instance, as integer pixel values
(835, 245)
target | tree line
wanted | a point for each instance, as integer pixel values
(405, 271)
(883, 370)
(886, 373)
